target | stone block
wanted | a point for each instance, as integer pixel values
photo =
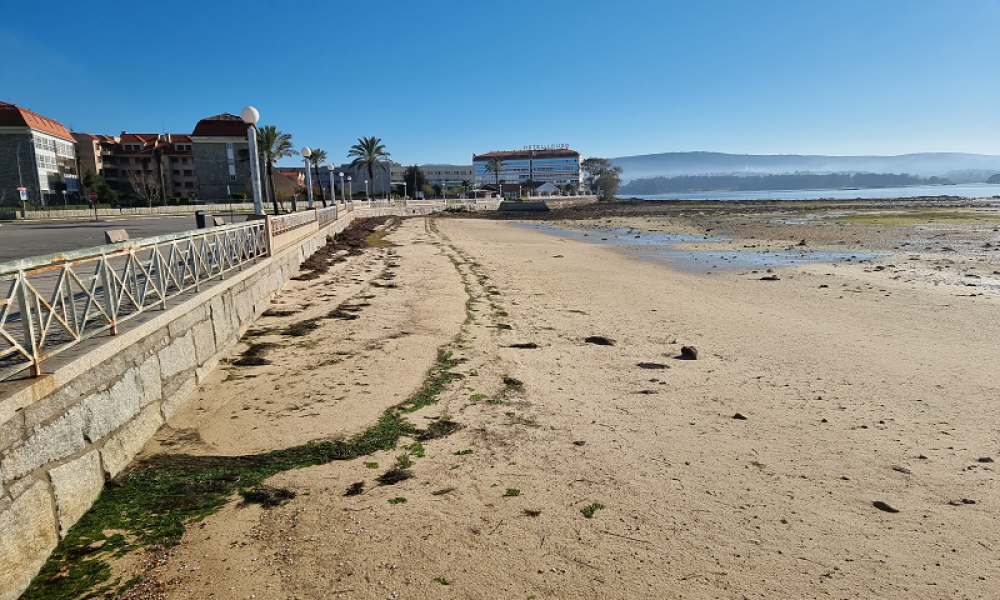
(12, 431)
(119, 451)
(77, 484)
(176, 395)
(112, 408)
(222, 319)
(28, 533)
(244, 307)
(148, 377)
(177, 357)
(206, 369)
(93, 380)
(56, 441)
(204, 340)
(183, 323)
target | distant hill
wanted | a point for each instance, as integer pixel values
(937, 164)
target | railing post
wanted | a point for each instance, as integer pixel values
(28, 323)
(268, 235)
(107, 282)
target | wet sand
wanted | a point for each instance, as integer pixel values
(753, 471)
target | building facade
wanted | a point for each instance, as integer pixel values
(219, 148)
(448, 176)
(38, 154)
(556, 165)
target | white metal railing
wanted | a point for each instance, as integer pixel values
(327, 215)
(54, 302)
(285, 223)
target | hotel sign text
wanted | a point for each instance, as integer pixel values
(547, 147)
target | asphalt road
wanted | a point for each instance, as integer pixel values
(21, 239)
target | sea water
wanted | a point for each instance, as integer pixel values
(968, 190)
(661, 247)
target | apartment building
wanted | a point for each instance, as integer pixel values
(38, 154)
(219, 148)
(551, 164)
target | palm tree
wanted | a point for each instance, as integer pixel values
(369, 154)
(273, 145)
(315, 158)
(465, 187)
(494, 165)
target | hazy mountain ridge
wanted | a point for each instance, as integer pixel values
(929, 164)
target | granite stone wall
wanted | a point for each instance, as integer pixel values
(62, 435)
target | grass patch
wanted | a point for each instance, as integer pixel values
(417, 449)
(371, 465)
(463, 452)
(442, 581)
(511, 492)
(266, 496)
(397, 500)
(477, 397)
(439, 429)
(588, 511)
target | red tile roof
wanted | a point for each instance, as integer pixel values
(12, 115)
(224, 125)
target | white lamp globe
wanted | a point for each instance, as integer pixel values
(307, 151)
(329, 168)
(249, 115)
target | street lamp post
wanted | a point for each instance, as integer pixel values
(250, 116)
(350, 188)
(367, 196)
(343, 198)
(333, 192)
(306, 153)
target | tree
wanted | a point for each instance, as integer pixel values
(94, 183)
(145, 185)
(273, 145)
(465, 187)
(368, 154)
(494, 165)
(315, 158)
(602, 176)
(415, 179)
(437, 189)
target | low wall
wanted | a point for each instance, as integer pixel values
(41, 215)
(63, 434)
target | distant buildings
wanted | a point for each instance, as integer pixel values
(38, 154)
(556, 165)
(219, 147)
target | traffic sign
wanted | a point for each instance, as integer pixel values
(24, 193)
(93, 195)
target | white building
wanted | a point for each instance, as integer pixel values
(38, 154)
(548, 164)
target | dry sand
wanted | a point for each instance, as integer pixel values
(856, 388)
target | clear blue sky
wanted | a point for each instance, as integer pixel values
(438, 81)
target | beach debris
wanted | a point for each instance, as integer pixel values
(961, 502)
(579, 443)
(985, 459)
(902, 470)
(652, 365)
(770, 278)
(558, 256)
(802, 243)
(524, 346)
(739, 417)
(355, 489)
(884, 507)
(689, 353)
(600, 340)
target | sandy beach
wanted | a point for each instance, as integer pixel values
(835, 437)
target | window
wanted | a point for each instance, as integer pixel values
(232, 178)
(188, 172)
(229, 145)
(189, 185)
(173, 159)
(176, 171)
